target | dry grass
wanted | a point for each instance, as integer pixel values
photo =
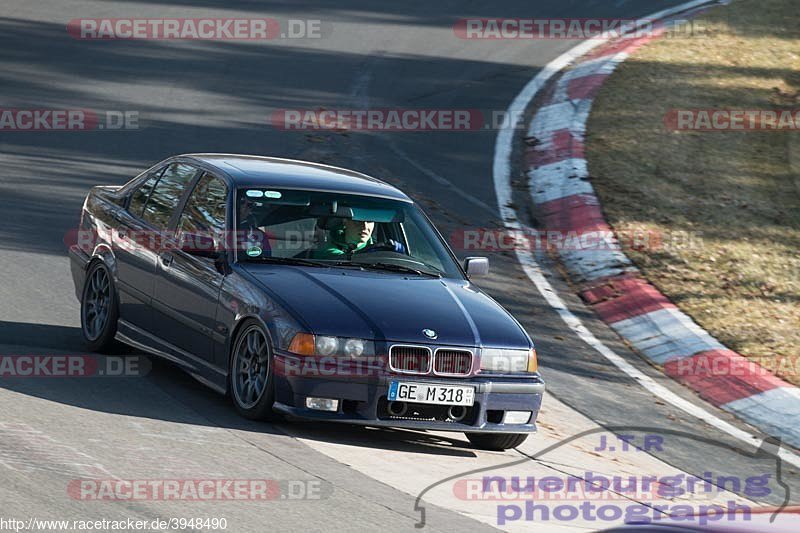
(736, 193)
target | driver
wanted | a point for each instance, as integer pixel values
(355, 236)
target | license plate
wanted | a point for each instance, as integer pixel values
(405, 391)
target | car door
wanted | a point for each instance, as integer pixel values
(136, 262)
(139, 241)
(187, 285)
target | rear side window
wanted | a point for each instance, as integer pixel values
(140, 196)
(205, 210)
(167, 194)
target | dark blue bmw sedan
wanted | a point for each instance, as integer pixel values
(303, 290)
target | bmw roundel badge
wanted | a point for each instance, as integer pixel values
(431, 334)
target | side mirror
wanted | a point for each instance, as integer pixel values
(476, 266)
(199, 245)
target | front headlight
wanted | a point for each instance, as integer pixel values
(327, 346)
(508, 361)
(355, 347)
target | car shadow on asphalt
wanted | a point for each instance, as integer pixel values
(161, 390)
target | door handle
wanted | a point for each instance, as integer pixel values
(166, 259)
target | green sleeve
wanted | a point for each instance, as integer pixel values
(328, 253)
(334, 252)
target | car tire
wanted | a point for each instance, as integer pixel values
(496, 441)
(99, 309)
(250, 377)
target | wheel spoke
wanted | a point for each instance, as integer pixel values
(251, 366)
(96, 305)
(250, 391)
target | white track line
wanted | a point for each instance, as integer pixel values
(502, 186)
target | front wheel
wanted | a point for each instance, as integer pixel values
(496, 441)
(251, 384)
(99, 312)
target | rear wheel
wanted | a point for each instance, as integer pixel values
(496, 441)
(251, 384)
(99, 312)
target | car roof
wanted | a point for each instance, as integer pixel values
(278, 173)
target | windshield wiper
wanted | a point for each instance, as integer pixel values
(399, 268)
(347, 264)
(289, 261)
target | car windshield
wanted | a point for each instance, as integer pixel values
(331, 229)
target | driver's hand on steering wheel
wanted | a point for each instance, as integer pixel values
(388, 246)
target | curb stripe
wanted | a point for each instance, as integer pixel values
(559, 116)
(776, 411)
(587, 87)
(549, 183)
(590, 73)
(627, 298)
(722, 376)
(576, 212)
(627, 45)
(588, 265)
(666, 334)
(562, 145)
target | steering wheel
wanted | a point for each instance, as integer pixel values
(387, 246)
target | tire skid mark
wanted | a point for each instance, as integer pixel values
(24, 448)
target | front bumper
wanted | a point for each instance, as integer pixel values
(363, 400)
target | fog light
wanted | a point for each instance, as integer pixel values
(324, 404)
(517, 417)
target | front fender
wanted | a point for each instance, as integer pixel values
(240, 300)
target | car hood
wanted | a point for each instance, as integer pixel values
(390, 306)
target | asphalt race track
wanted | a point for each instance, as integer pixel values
(217, 96)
